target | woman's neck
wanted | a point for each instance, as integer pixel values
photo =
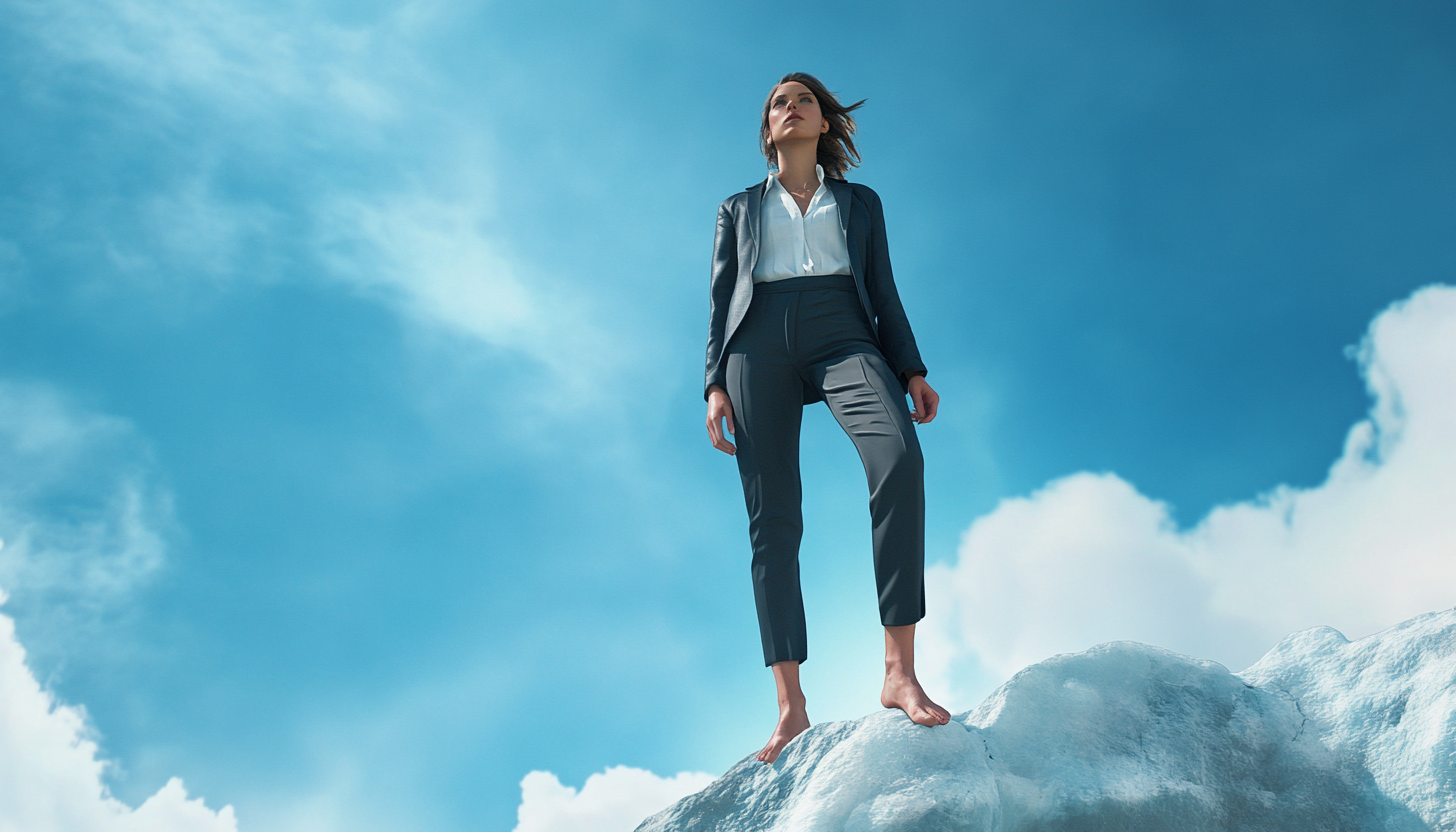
(796, 167)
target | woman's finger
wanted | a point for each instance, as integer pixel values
(724, 445)
(715, 435)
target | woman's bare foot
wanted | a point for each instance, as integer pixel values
(793, 718)
(793, 721)
(904, 692)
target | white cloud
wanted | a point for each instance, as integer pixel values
(617, 800)
(50, 776)
(1088, 559)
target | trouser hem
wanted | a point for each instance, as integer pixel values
(770, 661)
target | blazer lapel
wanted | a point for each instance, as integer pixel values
(755, 206)
(743, 281)
(844, 199)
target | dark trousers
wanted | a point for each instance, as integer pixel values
(811, 333)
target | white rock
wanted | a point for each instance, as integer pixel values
(1386, 702)
(1321, 734)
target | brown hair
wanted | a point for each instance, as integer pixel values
(836, 147)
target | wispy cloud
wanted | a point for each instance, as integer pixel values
(1088, 559)
(82, 519)
(244, 62)
(431, 259)
(300, 149)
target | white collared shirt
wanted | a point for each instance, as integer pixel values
(791, 244)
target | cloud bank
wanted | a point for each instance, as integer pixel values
(1088, 559)
(617, 800)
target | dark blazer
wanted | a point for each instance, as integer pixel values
(735, 251)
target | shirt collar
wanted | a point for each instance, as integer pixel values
(773, 182)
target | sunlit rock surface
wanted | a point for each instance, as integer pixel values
(1321, 734)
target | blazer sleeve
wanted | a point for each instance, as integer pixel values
(896, 340)
(720, 295)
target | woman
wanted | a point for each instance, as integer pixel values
(804, 309)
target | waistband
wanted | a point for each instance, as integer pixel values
(809, 283)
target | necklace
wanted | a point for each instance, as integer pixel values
(806, 190)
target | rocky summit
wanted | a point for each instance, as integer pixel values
(1321, 734)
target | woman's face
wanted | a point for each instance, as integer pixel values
(793, 113)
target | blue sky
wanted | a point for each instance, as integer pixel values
(351, 353)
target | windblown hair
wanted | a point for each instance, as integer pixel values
(836, 147)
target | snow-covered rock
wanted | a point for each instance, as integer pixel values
(1387, 703)
(1321, 734)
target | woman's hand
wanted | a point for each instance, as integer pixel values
(926, 400)
(719, 408)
